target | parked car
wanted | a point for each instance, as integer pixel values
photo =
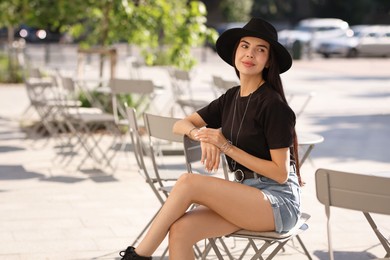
(310, 32)
(37, 35)
(367, 40)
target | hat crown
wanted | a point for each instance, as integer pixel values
(258, 25)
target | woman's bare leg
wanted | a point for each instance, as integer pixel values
(241, 205)
(194, 226)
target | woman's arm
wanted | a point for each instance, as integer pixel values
(276, 169)
(189, 125)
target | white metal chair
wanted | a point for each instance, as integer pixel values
(163, 145)
(182, 92)
(193, 153)
(220, 85)
(83, 123)
(162, 161)
(160, 174)
(40, 96)
(136, 93)
(144, 168)
(350, 190)
(140, 91)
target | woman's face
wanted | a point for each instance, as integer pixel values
(252, 55)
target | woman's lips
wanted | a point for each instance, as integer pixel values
(248, 63)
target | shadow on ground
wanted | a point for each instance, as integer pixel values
(345, 255)
(346, 137)
(17, 172)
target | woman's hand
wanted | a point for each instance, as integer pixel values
(211, 141)
(210, 156)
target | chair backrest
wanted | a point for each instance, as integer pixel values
(192, 152)
(68, 84)
(366, 193)
(35, 73)
(161, 127)
(220, 85)
(135, 136)
(128, 86)
(181, 83)
(139, 151)
(163, 146)
(141, 92)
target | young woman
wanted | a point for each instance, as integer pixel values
(255, 128)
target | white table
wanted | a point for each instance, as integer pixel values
(306, 142)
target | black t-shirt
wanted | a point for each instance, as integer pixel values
(267, 124)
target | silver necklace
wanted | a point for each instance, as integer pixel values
(233, 162)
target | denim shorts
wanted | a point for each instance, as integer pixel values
(284, 198)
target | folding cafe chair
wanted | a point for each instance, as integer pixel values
(355, 191)
(220, 85)
(161, 161)
(141, 92)
(192, 153)
(137, 93)
(158, 173)
(43, 96)
(182, 91)
(83, 123)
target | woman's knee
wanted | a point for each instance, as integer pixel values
(185, 180)
(180, 231)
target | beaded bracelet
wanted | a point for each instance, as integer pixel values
(226, 146)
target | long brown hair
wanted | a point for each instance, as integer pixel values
(271, 74)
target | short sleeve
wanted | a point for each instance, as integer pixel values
(217, 111)
(279, 123)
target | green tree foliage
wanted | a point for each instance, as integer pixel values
(274, 9)
(166, 30)
(236, 11)
(11, 14)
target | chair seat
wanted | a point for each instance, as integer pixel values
(93, 118)
(300, 226)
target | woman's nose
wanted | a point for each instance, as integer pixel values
(249, 54)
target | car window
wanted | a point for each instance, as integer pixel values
(329, 28)
(304, 28)
(316, 29)
(373, 35)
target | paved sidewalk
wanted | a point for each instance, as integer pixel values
(48, 211)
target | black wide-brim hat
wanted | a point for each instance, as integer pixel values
(259, 28)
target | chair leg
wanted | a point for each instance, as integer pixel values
(215, 248)
(381, 237)
(304, 247)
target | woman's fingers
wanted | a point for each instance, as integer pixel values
(209, 135)
(210, 156)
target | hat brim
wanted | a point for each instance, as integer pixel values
(227, 42)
